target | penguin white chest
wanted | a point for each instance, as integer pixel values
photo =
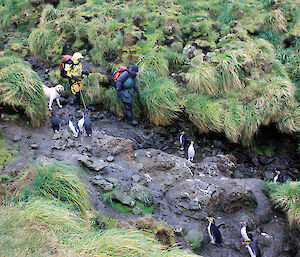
(80, 124)
(73, 128)
(244, 233)
(191, 152)
(210, 234)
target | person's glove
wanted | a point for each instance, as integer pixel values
(119, 94)
(85, 73)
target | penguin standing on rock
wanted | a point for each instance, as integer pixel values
(87, 125)
(74, 127)
(214, 232)
(244, 231)
(80, 123)
(191, 151)
(253, 248)
(183, 140)
(54, 122)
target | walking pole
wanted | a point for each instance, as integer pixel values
(82, 99)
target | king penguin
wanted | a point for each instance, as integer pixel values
(183, 140)
(87, 125)
(54, 122)
(214, 232)
(74, 127)
(191, 151)
(253, 248)
(244, 231)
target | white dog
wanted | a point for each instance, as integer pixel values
(52, 93)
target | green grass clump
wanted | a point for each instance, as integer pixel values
(204, 80)
(60, 181)
(22, 236)
(287, 197)
(204, 112)
(162, 102)
(22, 87)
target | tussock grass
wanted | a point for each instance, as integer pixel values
(22, 87)
(287, 197)
(155, 62)
(205, 113)
(22, 236)
(10, 60)
(60, 181)
(113, 102)
(204, 80)
(277, 20)
(55, 214)
(162, 102)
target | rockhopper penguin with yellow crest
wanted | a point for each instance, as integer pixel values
(214, 232)
(253, 248)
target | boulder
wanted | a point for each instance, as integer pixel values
(142, 194)
(120, 196)
(92, 163)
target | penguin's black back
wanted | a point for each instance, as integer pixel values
(54, 122)
(88, 124)
(216, 234)
(255, 249)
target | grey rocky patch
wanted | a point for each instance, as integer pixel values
(121, 196)
(34, 146)
(95, 164)
(142, 194)
(189, 51)
(103, 184)
(17, 138)
(56, 136)
(220, 165)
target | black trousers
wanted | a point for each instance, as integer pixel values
(128, 111)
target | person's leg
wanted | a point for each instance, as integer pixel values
(129, 114)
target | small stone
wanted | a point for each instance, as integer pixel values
(34, 146)
(56, 136)
(136, 178)
(16, 138)
(137, 211)
(110, 158)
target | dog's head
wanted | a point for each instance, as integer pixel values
(59, 88)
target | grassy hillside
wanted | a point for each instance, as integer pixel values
(232, 66)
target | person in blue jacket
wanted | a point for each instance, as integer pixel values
(124, 86)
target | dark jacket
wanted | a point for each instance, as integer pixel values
(124, 86)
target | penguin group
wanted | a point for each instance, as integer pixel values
(216, 237)
(84, 123)
(186, 144)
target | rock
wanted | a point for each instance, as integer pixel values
(265, 160)
(95, 164)
(56, 136)
(195, 238)
(142, 194)
(137, 211)
(103, 184)
(100, 222)
(120, 196)
(110, 158)
(136, 178)
(17, 138)
(189, 51)
(115, 146)
(34, 146)
(178, 230)
(220, 165)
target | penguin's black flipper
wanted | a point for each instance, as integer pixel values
(221, 225)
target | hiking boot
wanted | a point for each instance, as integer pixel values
(134, 123)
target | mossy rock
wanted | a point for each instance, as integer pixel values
(142, 194)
